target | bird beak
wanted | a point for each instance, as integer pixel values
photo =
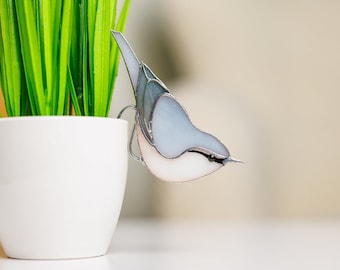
(131, 61)
(230, 159)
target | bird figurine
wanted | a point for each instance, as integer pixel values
(171, 147)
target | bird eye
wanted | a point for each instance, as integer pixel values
(211, 158)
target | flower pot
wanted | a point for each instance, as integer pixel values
(62, 183)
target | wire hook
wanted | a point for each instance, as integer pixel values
(132, 154)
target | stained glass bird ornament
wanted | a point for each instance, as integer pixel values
(171, 147)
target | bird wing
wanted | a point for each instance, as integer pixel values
(174, 134)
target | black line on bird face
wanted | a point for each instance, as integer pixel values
(210, 157)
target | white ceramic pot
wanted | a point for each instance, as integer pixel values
(62, 183)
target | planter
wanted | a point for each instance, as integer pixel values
(62, 183)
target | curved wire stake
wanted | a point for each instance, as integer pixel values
(131, 106)
(132, 154)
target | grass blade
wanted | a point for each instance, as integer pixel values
(114, 53)
(73, 93)
(30, 49)
(123, 16)
(85, 59)
(46, 41)
(91, 9)
(64, 54)
(11, 66)
(101, 52)
(76, 55)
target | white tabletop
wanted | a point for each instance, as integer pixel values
(148, 244)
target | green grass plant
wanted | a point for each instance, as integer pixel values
(57, 57)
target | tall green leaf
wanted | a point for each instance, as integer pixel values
(10, 59)
(101, 52)
(31, 56)
(46, 46)
(114, 53)
(64, 54)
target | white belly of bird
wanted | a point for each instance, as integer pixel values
(186, 167)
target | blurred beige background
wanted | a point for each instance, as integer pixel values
(263, 76)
